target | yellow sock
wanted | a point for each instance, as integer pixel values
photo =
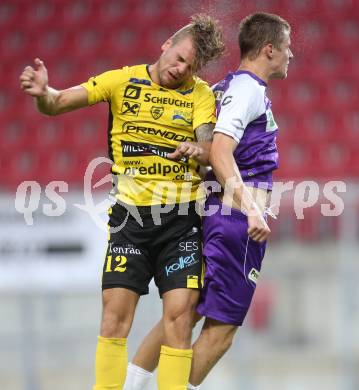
(111, 363)
(174, 368)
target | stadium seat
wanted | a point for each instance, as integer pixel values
(296, 160)
(315, 107)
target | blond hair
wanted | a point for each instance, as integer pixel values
(207, 37)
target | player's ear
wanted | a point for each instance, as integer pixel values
(268, 50)
(167, 44)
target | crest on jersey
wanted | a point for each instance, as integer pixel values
(156, 112)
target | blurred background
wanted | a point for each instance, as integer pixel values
(302, 331)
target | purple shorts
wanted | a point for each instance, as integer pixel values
(233, 262)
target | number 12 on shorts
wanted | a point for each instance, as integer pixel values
(120, 267)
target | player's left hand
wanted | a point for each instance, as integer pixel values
(186, 149)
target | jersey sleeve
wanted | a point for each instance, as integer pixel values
(240, 105)
(204, 106)
(101, 87)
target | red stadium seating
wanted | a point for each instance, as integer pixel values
(316, 108)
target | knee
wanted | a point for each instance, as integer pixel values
(178, 316)
(114, 323)
(183, 312)
(181, 317)
(178, 323)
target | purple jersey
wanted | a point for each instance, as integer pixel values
(244, 113)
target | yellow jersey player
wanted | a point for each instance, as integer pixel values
(161, 121)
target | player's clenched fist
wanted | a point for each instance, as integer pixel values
(258, 229)
(34, 81)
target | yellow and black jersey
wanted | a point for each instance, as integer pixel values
(146, 123)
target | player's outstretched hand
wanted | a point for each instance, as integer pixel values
(186, 149)
(258, 229)
(34, 81)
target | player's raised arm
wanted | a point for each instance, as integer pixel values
(35, 82)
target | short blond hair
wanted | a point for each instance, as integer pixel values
(207, 36)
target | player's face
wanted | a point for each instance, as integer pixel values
(176, 64)
(281, 58)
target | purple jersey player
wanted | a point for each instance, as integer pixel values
(247, 130)
(243, 156)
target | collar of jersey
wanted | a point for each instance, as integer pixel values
(188, 88)
(254, 76)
